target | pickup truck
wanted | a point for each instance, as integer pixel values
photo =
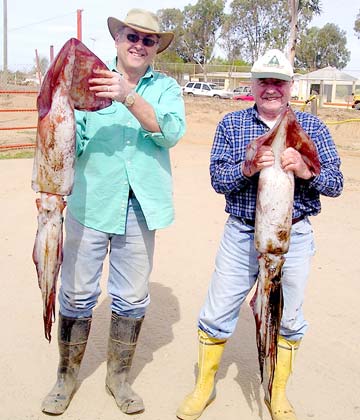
(356, 101)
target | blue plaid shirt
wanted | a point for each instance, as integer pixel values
(235, 131)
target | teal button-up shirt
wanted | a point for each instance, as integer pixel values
(114, 154)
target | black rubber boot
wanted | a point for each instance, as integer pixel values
(124, 333)
(72, 338)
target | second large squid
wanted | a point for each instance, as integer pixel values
(273, 223)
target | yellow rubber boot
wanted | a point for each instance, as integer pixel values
(280, 408)
(210, 352)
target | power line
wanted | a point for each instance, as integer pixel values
(41, 21)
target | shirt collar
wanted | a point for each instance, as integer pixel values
(255, 113)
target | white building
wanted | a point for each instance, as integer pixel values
(331, 85)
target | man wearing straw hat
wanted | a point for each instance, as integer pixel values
(122, 193)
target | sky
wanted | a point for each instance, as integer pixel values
(39, 24)
(343, 13)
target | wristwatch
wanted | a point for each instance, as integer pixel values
(129, 99)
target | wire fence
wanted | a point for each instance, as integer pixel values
(181, 72)
(18, 117)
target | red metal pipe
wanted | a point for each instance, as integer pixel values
(18, 110)
(18, 91)
(16, 146)
(17, 128)
(79, 25)
(38, 66)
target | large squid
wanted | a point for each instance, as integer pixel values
(65, 87)
(273, 222)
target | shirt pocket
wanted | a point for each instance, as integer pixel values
(104, 130)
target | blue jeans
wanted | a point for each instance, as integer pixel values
(236, 270)
(130, 265)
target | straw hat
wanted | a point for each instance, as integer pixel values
(142, 21)
(274, 65)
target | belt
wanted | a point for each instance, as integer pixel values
(251, 222)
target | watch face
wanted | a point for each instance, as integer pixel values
(129, 100)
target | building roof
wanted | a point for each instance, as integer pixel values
(330, 74)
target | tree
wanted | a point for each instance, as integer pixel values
(230, 44)
(201, 24)
(172, 20)
(323, 47)
(357, 25)
(253, 22)
(195, 30)
(299, 10)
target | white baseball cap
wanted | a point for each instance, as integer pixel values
(273, 64)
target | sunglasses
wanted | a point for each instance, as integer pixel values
(146, 41)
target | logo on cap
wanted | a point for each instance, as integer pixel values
(274, 61)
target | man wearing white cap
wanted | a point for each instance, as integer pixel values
(122, 193)
(237, 266)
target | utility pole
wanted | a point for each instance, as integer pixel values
(5, 69)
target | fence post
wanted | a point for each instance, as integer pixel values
(314, 105)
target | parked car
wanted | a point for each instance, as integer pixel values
(242, 90)
(205, 89)
(32, 81)
(244, 97)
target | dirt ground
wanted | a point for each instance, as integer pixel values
(326, 381)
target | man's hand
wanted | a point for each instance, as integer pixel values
(291, 160)
(110, 84)
(263, 158)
